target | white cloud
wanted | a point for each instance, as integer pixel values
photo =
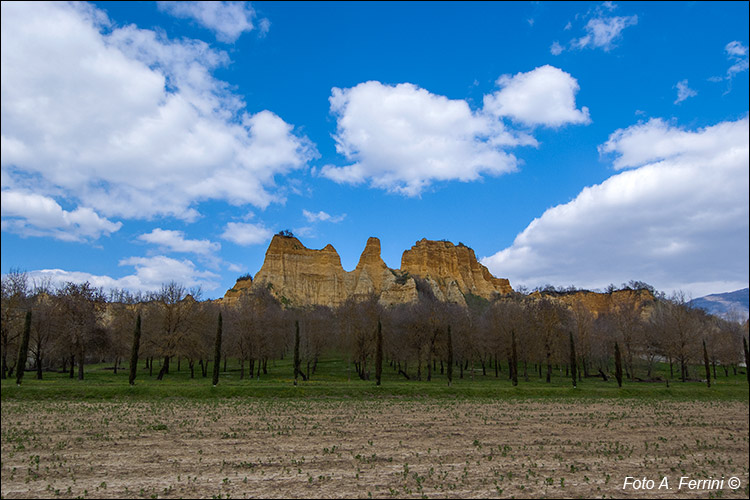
(245, 234)
(175, 241)
(738, 53)
(556, 49)
(403, 138)
(150, 274)
(735, 49)
(228, 20)
(656, 141)
(683, 91)
(114, 119)
(30, 214)
(543, 96)
(602, 32)
(678, 221)
(322, 217)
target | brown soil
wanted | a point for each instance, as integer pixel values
(389, 448)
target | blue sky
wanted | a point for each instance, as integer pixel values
(568, 143)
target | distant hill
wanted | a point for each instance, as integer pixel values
(721, 304)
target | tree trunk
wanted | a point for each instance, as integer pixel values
(134, 351)
(378, 354)
(513, 358)
(705, 362)
(81, 358)
(618, 365)
(450, 357)
(23, 349)
(217, 353)
(164, 368)
(573, 360)
(297, 371)
(38, 360)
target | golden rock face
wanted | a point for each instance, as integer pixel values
(301, 276)
(445, 263)
(600, 303)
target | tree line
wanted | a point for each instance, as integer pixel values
(518, 336)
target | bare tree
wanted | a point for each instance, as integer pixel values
(45, 323)
(358, 319)
(13, 306)
(172, 319)
(81, 307)
(679, 326)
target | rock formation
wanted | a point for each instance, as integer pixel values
(454, 268)
(300, 276)
(599, 303)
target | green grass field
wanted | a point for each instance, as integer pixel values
(335, 378)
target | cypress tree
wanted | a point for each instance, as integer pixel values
(217, 353)
(514, 358)
(134, 350)
(23, 349)
(379, 354)
(450, 356)
(705, 362)
(618, 365)
(573, 359)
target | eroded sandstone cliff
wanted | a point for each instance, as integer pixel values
(454, 268)
(301, 276)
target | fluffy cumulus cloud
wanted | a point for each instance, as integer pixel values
(246, 233)
(656, 141)
(175, 241)
(149, 275)
(543, 96)
(228, 20)
(677, 218)
(128, 123)
(403, 138)
(31, 214)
